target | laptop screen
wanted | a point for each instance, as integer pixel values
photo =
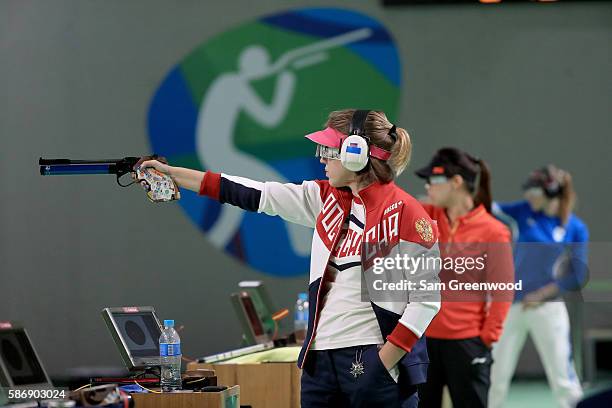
(19, 358)
(140, 332)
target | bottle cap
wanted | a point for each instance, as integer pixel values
(169, 323)
(303, 296)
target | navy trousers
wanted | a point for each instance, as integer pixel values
(327, 381)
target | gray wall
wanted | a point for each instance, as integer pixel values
(519, 85)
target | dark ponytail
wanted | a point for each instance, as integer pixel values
(483, 189)
(567, 199)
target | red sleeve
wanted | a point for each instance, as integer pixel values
(417, 228)
(211, 185)
(494, 323)
(500, 268)
(403, 337)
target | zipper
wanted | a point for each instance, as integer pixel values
(453, 230)
(315, 320)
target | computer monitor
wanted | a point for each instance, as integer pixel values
(254, 309)
(20, 366)
(136, 331)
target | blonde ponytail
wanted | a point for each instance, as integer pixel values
(400, 152)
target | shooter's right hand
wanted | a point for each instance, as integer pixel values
(159, 163)
(156, 164)
(183, 177)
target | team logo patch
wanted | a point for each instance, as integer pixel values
(423, 227)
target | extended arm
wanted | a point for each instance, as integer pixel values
(298, 203)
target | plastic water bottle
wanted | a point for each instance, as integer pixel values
(170, 358)
(301, 316)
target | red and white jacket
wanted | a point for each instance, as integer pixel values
(392, 216)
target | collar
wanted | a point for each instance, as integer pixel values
(473, 214)
(374, 194)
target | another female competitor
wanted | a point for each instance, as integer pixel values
(358, 352)
(460, 336)
(550, 258)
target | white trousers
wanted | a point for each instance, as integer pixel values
(549, 328)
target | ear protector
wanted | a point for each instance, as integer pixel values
(355, 148)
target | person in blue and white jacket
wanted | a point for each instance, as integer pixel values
(361, 350)
(550, 258)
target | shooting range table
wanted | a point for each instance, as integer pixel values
(263, 385)
(229, 398)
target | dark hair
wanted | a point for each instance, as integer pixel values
(483, 192)
(477, 177)
(451, 161)
(555, 182)
(568, 197)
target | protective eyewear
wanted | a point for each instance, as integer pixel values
(534, 191)
(326, 152)
(432, 180)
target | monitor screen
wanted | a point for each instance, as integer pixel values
(261, 302)
(19, 358)
(251, 313)
(140, 332)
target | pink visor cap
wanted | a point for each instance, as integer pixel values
(330, 137)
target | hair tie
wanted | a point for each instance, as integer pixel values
(392, 132)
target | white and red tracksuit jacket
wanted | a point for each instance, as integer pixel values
(392, 216)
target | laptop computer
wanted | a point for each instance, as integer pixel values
(20, 366)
